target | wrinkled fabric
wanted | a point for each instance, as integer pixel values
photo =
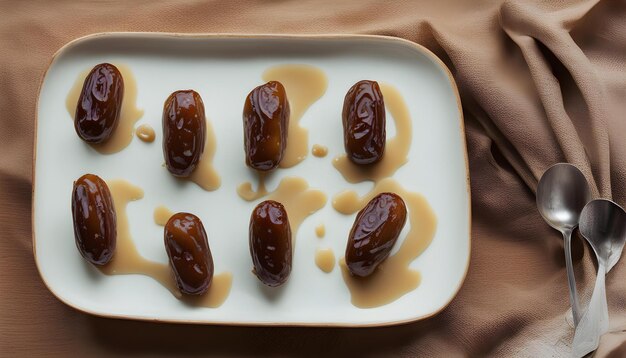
(540, 81)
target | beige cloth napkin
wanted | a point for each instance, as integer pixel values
(540, 82)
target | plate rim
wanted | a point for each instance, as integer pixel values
(258, 36)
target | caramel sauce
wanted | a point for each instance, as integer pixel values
(162, 214)
(393, 278)
(325, 260)
(299, 200)
(205, 175)
(145, 133)
(319, 150)
(293, 193)
(129, 114)
(246, 192)
(217, 293)
(71, 101)
(127, 259)
(304, 85)
(320, 231)
(396, 148)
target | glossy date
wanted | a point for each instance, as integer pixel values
(375, 231)
(99, 104)
(94, 219)
(363, 116)
(265, 126)
(270, 243)
(184, 132)
(189, 255)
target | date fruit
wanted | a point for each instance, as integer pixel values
(375, 231)
(93, 214)
(189, 254)
(363, 116)
(270, 243)
(184, 132)
(265, 126)
(99, 104)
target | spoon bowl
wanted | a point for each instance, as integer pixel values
(562, 193)
(603, 224)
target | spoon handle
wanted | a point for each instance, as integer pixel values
(595, 322)
(571, 279)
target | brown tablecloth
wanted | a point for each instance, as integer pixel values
(541, 82)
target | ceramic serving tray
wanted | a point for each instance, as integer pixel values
(223, 69)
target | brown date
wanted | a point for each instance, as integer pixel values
(364, 123)
(184, 132)
(189, 254)
(270, 243)
(93, 214)
(375, 231)
(99, 104)
(265, 126)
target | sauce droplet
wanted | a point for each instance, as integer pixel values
(325, 260)
(319, 150)
(145, 133)
(320, 231)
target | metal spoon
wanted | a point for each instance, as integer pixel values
(562, 193)
(603, 224)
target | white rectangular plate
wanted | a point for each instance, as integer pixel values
(223, 69)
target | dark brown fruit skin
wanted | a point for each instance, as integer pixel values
(189, 254)
(270, 243)
(184, 132)
(99, 104)
(93, 214)
(265, 126)
(364, 133)
(375, 231)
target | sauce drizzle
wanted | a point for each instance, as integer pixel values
(304, 85)
(127, 259)
(393, 277)
(396, 148)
